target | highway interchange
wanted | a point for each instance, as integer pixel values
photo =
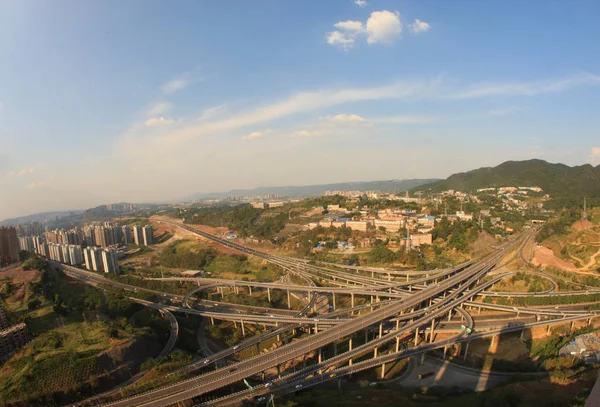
(425, 311)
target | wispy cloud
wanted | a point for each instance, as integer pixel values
(212, 112)
(255, 135)
(159, 108)
(361, 3)
(35, 185)
(175, 85)
(158, 121)
(403, 119)
(22, 172)
(528, 88)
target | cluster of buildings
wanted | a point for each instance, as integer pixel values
(101, 260)
(103, 235)
(585, 346)
(9, 246)
(374, 195)
(12, 337)
(268, 204)
(93, 245)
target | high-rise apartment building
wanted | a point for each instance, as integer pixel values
(148, 237)
(138, 235)
(127, 235)
(109, 260)
(9, 246)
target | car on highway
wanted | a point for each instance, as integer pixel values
(425, 375)
(235, 347)
(233, 369)
(332, 375)
(268, 384)
(298, 386)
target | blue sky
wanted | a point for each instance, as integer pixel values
(104, 101)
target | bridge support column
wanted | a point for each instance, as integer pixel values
(572, 325)
(377, 298)
(548, 330)
(334, 301)
(493, 339)
(258, 353)
(222, 292)
(375, 352)
(478, 310)
(278, 335)
(407, 277)
(431, 332)
(289, 301)
(350, 348)
(269, 294)
(212, 321)
(243, 330)
(522, 335)
(416, 336)
(320, 356)
(445, 350)
(352, 300)
(537, 317)
(466, 351)
(250, 290)
(397, 344)
(380, 329)
(383, 371)
(316, 328)
(449, 315)
(589, 321)
(389, 277)
(279, 371)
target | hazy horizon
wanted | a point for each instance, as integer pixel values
(146, 101)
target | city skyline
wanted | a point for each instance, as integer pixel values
(104, 103)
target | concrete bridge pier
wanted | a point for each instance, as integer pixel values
(416, 336)
(522, 335)
(269, 294)
(289, 301)
(466, 351)
(212, 320)
(243, 330)
(445, 350)
(352, 300)
(350, 348)
(548, 329)
(431, 332)
(250, 290)
(333, 296)
(383, 371)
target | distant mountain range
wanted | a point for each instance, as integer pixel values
(558, 180)
(315, 190)
(38, 217)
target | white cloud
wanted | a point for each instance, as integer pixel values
(158, 121)
(346, 118)
(361, 3)
(159, 108)
(381, 27)
(175, 85)
(212, 112)
(35, 185)
(350, 26)
(527, 88)
(384, 27)
(22, 172)
(255, 135)
(419, 27)
(309, 133)
(595, 155)
(341, 39)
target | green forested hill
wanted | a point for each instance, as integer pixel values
(559, 180)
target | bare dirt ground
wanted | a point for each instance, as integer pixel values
(18, 275)
(582, 225)
(182, 234)
(545, 257)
